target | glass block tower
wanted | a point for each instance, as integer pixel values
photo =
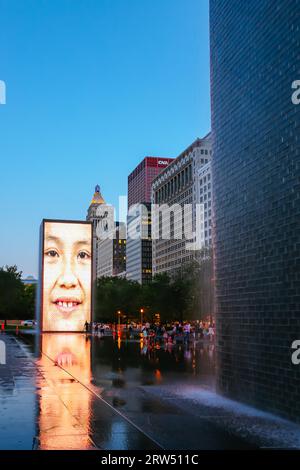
(255, 57)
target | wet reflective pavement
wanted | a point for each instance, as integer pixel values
(18, 391)
(87, 393)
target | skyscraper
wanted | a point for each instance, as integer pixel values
(140, 179)
(256, 174)
(109, 251)
(179, 185)
(203, 189)
(112, 252)
(92, 216)
(139, 249)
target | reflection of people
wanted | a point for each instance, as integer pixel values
(67, 276)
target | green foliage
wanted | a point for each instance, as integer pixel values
(188, 295)
(113, 294)
(29, 300)
(17, 301)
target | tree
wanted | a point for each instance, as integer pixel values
(185, 296)
(157, 297)
(17, 302)
(29, 300)
(116, 294)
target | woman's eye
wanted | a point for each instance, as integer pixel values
(52, 253)
(83, 255)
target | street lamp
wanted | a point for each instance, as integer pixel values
(119, 319)
(142, 311)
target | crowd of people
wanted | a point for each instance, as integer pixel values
(170, 332)
(179, 331)
(96, 328)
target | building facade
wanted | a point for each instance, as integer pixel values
(203, 189)
(140, 179)
(112, 252)
(256, 174)
(139, 249)
(179, 186)
(139, 244)
(95, 218)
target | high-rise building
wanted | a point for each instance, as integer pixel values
(112, 252)
(139, 244)
(140, 179)
(203, 188)
(179, 186)
(95, 218)
(256, 174)
(139, 249)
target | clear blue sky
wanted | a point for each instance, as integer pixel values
(92, 87)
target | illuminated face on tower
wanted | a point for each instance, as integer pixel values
(67, 275)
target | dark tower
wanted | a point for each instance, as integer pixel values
(255, 57)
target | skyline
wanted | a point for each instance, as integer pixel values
(91, 90)
(150, 186)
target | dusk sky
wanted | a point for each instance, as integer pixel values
(93, 86)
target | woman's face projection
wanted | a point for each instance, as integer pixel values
(67, 276)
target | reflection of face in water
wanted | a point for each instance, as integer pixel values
(70, 351)
(67, 276)
(64, 423)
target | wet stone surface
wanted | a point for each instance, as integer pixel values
(17, 398)
(71, 391)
